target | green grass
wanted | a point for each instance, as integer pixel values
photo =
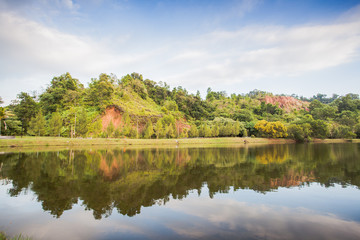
(47, 143)
(59, 141)
(18, 237)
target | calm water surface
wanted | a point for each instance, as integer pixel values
(298, 191)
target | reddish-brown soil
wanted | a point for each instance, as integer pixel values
(287, 103)
(181, 124)
(114, 115)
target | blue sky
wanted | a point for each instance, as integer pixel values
(303, 47)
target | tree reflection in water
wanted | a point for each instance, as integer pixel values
(127, 180)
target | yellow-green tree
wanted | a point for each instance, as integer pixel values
(193, 132)
(149, 130)
(271, 129)
(159, 129)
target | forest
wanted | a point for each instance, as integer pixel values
(149, 109)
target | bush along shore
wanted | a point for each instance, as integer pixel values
(138, 108)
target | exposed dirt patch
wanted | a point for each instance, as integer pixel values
(181, 124)
(113, 115)
(287, 103)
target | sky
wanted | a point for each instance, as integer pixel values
(300, 47)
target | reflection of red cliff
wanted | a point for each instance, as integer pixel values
(287, 103)
(290, 181)
(109, 172)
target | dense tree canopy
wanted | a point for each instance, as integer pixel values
(62, 92)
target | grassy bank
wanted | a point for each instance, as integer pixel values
(77, 142)
(26, 142)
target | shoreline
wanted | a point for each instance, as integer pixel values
(44, 143)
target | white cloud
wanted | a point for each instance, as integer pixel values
(255, 52)
(31, 50)
(235, 219)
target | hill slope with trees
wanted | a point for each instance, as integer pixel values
(137, 108)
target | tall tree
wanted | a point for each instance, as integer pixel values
(82, 123)
(149, 130)
(25, 108)
(126, 124)
(159, 129)
(37, 125)
(55, 124)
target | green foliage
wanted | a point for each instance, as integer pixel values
(139, 87)
(55, 124)
(316, 104)
(94, 128)
(171, 105)
(268, 108)
(149, 130)
(11, 126)
(100, 92)
(127, 126)
(82, 123)
(37, 125)
(341, 131)
(192, 106)
(215, 130)
(320, 129)
(184, 133)
(170, 131)
(117, 133)
(299, 132)
(357, 130)
(79, 110)
(25, 108)
(323, 99)
(228, 127)
(110, 130)
(215, 95)
(159, 92)
(244, 115)
(63, 91)
(350, 102)
(160, 132)
(347, 118)
(133, 133)
(325, 112)
(193, 132)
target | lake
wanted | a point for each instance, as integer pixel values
(289, 191)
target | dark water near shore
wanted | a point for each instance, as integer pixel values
(295, 191)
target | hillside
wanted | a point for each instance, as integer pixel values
(141, 108)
